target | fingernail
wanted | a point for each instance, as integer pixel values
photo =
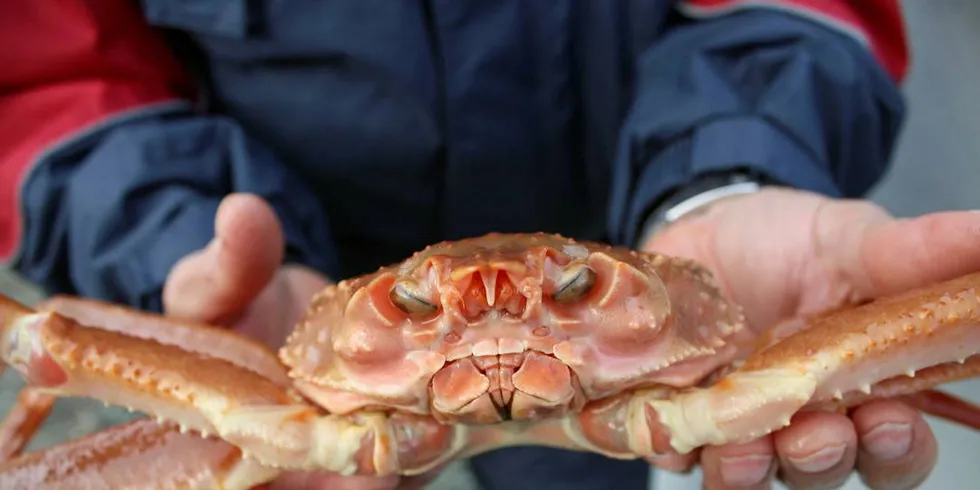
(888, 441)
(672, 463)
(820, 460)
(745, 471)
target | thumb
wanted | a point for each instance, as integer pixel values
(217, 282)
(902, 254)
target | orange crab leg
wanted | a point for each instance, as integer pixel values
(65, 358)
(881, 345)
(946, 406)
(33, 406)
(903, 346)
(917, 391)
(204, 389)
(25, 417)
(198, 338)
(138, 454)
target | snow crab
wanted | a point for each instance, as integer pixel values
(465, 347)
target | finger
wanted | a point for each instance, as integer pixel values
(897, 450)
(817, 450)
(280, 305)
(325, 481)
(748, 466)
(897, 255)
(678, 463)
(304, 480)
(221, 279)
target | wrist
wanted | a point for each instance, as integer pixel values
(695, 198)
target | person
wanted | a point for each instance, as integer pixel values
(221, 161)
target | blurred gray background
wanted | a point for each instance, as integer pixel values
(936, 169)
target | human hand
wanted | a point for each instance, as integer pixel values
(238, 281)
(784, 253)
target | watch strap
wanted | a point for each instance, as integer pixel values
(701, 193)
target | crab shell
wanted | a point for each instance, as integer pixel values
(492, 329)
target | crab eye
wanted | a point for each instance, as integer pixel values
(575, 283)
(405, 299)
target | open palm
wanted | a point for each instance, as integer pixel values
(783, 254)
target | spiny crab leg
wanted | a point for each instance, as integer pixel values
(848, 352)
(161, 454)
(140, 454)
(201, 339)
(209, 393)
(33, 405)
(875, 350)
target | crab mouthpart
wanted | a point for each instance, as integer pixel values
(493, 289)
(495, 388)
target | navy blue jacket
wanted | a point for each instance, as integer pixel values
(377, 127)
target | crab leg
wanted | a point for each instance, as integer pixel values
(162, 371)
(28, 413)
(946, 406)
(33, 405)
(166, 457)
(141, 454)
(841, 354)
(198, 338)
(901, 346)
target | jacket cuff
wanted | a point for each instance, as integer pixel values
(730, 144)
(109, 213)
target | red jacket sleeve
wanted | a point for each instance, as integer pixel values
(877, 24)
(67, 66)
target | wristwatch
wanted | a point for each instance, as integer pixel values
(699, 194)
